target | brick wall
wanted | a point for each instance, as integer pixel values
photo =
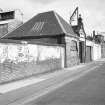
(21, 61)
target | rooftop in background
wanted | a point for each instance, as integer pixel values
(43, 24)
(7, 15)
(9, 20)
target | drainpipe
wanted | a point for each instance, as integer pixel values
(84, 46)
(65, 59)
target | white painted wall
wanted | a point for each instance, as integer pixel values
(62, 57)
(96, 51)
(47, 52)
(89, 43)
(29, 52)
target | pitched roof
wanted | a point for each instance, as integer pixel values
(47, 23)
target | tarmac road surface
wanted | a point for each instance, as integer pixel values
(86, 90)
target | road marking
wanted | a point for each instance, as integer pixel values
(27, 100)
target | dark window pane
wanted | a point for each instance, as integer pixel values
(7, 15)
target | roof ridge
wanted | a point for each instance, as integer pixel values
(59, 22)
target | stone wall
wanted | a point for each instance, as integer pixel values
(18, 61)
(72, 52)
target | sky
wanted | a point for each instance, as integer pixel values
(92, 11)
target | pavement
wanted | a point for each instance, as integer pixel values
(4, 88)
(19, 92)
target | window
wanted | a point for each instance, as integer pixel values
(7, 15)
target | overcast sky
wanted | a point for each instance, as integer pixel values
(93, 11)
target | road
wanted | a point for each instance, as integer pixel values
(89, 89)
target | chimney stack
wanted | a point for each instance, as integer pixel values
(93, 34)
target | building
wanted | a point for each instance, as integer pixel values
(43, 44)
(99, 46)
(85, 48)
(89, 47)
(95, 42)
(9, 20)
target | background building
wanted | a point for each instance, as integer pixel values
(9, 20)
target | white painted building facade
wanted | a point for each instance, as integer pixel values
(95, 49)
